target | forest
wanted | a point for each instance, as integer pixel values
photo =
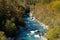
(46, 11)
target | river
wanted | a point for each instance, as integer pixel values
(33, 30)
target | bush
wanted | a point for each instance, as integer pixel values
(2, 36)
(54, 33)
(10, 28)
(9, 17)
(55, 5)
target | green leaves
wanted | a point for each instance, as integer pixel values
(10, 27)
(9, 23)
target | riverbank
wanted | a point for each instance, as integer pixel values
(41, 24)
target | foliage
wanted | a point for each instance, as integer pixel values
(40, 1)
(10, 28)
(9, 17)
(55, 6)
(45, 1)
(2, 36)
(54, 34)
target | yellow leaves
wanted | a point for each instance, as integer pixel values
(54, 33)
(1, 33)
(55, 5)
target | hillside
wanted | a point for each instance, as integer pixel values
(45, 11)
(49, 14)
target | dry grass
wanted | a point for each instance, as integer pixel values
(48, 16)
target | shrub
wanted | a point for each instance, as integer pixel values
(2, 36)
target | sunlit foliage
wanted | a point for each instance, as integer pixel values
(2, 36)
(54, 34)
(55, 6)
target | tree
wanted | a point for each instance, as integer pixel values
(2, 36)
(54, 33)
(55, 5)
(9, 17)
(10, 28)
